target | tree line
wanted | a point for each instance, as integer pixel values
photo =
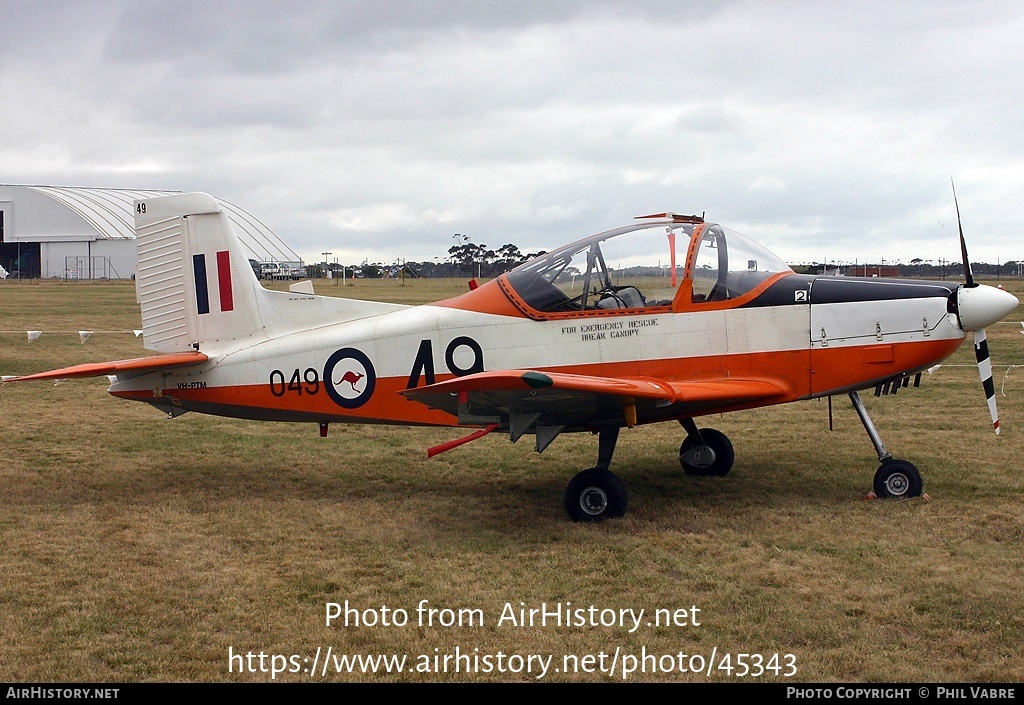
(467, 259)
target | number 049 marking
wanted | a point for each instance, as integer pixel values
(307, 383)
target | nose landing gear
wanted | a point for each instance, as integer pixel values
(894, 479)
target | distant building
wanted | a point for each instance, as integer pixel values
(872, 270)
(89, 233)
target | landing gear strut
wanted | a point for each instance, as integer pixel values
(705, 451)
(598, 493)
(898, 479)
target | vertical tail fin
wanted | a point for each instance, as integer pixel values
(193, 280)
(197, 290)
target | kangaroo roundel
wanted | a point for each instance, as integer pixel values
(349, 378)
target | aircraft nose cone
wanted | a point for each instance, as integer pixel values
(981, 306)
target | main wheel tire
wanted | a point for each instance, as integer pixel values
(595, 495)
(898, 479)
(716, 441)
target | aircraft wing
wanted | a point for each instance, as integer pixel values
(574, 400)
(136, 365)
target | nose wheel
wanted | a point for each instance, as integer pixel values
(898, 479)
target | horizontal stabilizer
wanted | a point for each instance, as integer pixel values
(100, 369)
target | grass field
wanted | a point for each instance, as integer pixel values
(134, 547)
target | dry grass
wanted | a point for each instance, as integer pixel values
(138, 548)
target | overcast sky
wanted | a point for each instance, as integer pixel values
(379, 129)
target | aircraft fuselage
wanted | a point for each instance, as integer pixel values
(819, 335)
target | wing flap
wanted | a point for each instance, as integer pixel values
(730, 389)
(576, 400)
(527, 380)
(100, 369)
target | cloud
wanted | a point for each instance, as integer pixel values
(810, 126)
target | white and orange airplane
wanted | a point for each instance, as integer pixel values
(594, 336)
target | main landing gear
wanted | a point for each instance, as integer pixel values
(598, 493)
(895, 478)
(705, 451)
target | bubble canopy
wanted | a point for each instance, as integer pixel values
(641, 267)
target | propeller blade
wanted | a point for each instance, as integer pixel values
(985, 306)
(968, 274)
(985, 371)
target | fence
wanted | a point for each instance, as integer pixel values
(96, 267)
